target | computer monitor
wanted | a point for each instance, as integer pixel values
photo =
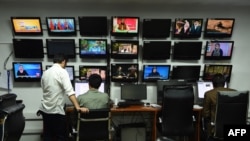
(133, 92)
(81, 87)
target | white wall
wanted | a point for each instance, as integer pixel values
(31, 92)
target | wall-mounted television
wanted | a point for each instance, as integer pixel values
(187, 28)
(156, 50)
(187, 50)
(28, 48)
(187, 73)
(219, 50)
(156, 28)
(125, 26)
(61, 46)
(93, 48)
(86, 71)
(27, 71)
(61, 26)
(152, 73)
(219, 27)
(27, 26)
(69, 69)
(93, 25)
(124, 49)
(211, 69)
(124, 72)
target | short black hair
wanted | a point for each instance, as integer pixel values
(95, 81)
(59, 58)
(218, 80)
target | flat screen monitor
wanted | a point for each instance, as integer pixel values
(125, 26)
(69, 69)
(27, 26)
(93, 48)
(187, 28)
(187, 50)
(219, 50)
(61, 26)
(124, 72)
(152, 73)
(219, 27)
(27, 71)
(124, 49)
(81, 87)
(202, 87)
(188, 73)
(61, 46)
(93, 25)
(133, 92)
(86, 71)
(211, 69)
(28, 48)
(156, 50)
(156, 28)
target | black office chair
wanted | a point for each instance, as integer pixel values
(94, 125)
(231, 108)
(177, 112)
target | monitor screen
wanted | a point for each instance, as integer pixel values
(187, 50)
(152, 73)
(27, 71)
(124, 49)
(81, 87)
(28, 48)
(93, 48)
(219, 27)
(27, 26)
(69, 69)
(133, 92)
(156, 28)
(93, 26)
(125, 26)
(202, 87)
(219, 50)
(188, 73)
(124, 72)
(86, 71)
(156, 50)
(61, 46)
(61, 26)
(187, 28)
(210, 70)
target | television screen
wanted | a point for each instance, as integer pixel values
(188, 73)
(219, 27)
(27, 25)
(124, 72)
(187, 28)
(81, 87)
(133, 92)
(28, 48)
(125, 26)
(202, 87)
(61, 46)
(156, 28)
(219, 50)
(156, 50)
(69, 69)
(187, 50)
(86, 71)
(61, 26)
(121, 49)
(27, 71)
(93, 48)
(152, 73)
(93, 26)
(211, 69)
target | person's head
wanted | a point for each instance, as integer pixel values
(95, 81)
(218, 80)
(217, 46)
(20, 67)
(61, 59)
(154, 69)
(196, 23)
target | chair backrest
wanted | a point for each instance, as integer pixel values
(177, 111)
(231, 108)
(94, 125)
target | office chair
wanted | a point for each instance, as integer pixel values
(177, 112)
(94, 125)
(231, 109)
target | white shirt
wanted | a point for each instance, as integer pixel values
(55, 84)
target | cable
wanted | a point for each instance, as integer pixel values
(6, 60)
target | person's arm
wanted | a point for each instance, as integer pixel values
(221, 52)
(76, 104)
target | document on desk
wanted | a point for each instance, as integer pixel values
(155, 105)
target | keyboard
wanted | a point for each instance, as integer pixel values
(130, 103)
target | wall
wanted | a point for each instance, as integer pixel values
(31, 92)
